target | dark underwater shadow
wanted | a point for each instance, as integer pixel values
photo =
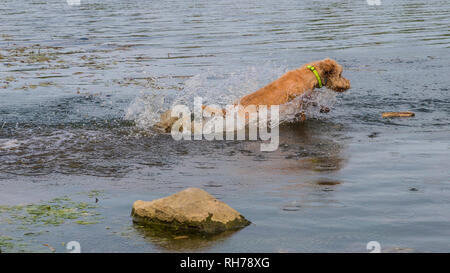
(180, 241)
(315, 145)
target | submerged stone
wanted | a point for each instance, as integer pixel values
(192, 209)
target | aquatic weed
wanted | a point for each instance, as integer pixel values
(32, 220)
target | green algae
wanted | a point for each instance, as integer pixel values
(32, 221)
(5, 242)
(6, 37)
(32, 54)
(80, 222)
(94, 193)
(38, 58)
(54, 212)
(45, 84)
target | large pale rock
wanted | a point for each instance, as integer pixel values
(191, 209)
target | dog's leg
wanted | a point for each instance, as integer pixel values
(165, 122)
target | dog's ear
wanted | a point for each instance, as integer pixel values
(328, 66)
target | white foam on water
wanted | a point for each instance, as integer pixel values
(9, 144)
(223, 88)
(57, 140)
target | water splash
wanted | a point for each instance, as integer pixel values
(310, 105)
(222, 88)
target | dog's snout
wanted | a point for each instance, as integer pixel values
(346, 85)
(342, 84)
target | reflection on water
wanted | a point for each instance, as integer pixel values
(304, 147)
(327, 183)
(115, 148)
(181, 241)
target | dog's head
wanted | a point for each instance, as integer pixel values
(332, 72)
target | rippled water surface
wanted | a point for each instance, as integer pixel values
(80, 87)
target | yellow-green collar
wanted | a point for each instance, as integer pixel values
(313, 69)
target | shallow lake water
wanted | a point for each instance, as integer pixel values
(80, 87)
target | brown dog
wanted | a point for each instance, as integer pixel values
(298, 82)
(301, 81)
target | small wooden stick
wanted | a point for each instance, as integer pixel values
(397, 114)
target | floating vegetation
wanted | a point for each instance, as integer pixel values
(26, 87)
(44, 84)
(5, 242)
(9, 79)
(29, 61)
(38, 58)
(55, 212)
(6, 37)
(31, 221)
(94, 193)
(81, 222)
(32, 54)
(29, 86)
(147, 82)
